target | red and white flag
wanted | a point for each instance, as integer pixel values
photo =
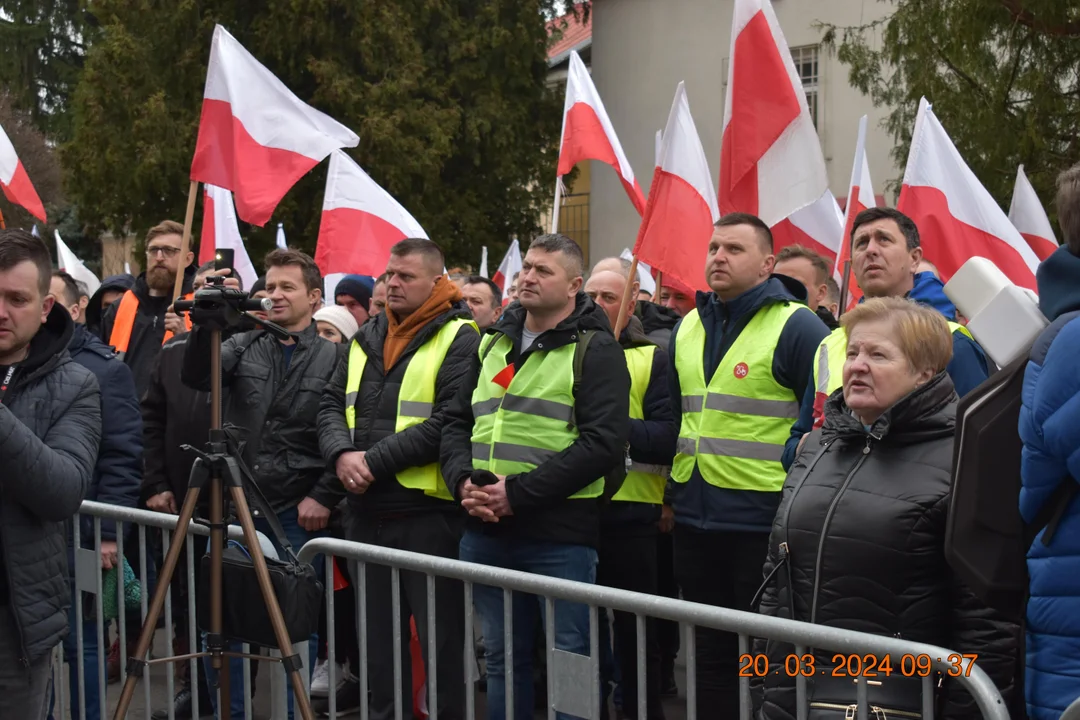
(508, 268)
(256, 138)
(678, 221)
(15, 182)
(360, 223)
(1029, 217)
(818, 226)
(587, 133)
(770, 156)
(860, 197)
(219, 230)
(957, 217)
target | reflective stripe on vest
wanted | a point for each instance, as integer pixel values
(526, 424)
(644, 483)
(735, 426)
(416, 399)
(124, 323)
(829, 366)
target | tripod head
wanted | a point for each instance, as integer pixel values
(218, 307)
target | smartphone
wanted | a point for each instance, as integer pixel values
(224, 259)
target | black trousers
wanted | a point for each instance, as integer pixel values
(431, 533)
(627, 560)
(722, 569)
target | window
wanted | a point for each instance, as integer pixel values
(806, 62)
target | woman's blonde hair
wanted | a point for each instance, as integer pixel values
(920, 332)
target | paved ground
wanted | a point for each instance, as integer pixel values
(675, 707)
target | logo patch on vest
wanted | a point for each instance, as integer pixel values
(741, 370)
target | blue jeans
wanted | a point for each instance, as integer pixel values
(569, 562)
(297, 537)
(90, 694)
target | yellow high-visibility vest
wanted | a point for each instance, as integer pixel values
(415, 399)
(644, 482)
(734, 427)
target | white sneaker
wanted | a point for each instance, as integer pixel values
(320, 679)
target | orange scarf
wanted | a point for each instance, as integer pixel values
(400, 332)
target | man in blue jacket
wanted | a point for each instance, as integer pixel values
(885, 256)
(739, 363)
(1050, 471)
(116, 480)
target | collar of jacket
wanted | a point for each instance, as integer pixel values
(1059, 289)
(777, 288)
(48, 348)
(372, 334)
(83, 340)
(930, 291)
(926, 413)
(633, 335)
(586, 315)
(655, 317)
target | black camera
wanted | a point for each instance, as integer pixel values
(218, 307)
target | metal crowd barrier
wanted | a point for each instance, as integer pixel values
(573, 681)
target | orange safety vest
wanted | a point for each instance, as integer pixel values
(120, 337)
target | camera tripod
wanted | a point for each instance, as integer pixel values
(218, 469)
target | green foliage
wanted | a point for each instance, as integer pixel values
(1003, 77)
(449, 99)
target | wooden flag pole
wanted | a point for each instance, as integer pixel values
(630, 277)
(659, 284)
(845, 283)
(185, 244)
(3, 225)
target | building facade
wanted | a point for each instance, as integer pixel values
(641, 49)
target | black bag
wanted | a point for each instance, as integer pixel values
(986, 539)
(893, 697)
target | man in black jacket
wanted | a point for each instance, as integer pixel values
(380, 423)
(272, 402)
(50, 427)
(138, 324)
(116, 477)
(528, 441)
(629, 525)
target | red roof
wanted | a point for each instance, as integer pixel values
(570, 32)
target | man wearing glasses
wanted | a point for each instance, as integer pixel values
(139, 323)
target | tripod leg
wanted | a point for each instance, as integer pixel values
(243, 514)
(158, 602)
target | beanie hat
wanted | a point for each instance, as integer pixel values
(358, 287)
(258, 286)
(340, 318)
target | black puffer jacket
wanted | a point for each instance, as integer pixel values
(865, 532)
(540, 499)
(657, 321)
(50, 427)
(390, 452)
(274, 408)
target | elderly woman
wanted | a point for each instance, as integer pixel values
(858, 540)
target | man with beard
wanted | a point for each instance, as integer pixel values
(138, 324)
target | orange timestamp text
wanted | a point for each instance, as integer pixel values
(853, 665)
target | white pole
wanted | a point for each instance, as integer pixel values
(555, 210)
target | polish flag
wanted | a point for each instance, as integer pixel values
(678, 221)
(860, 197)
(220, 231)
(360, 223)
(770, 156)
(15, 182)
(1029, 217)
(255, 137)
(508, 268)
(818, 226)
(587, 133)
(957, 217)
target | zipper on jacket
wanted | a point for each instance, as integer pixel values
(825, 527)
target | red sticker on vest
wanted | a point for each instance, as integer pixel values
(741, 370)
(504, 377)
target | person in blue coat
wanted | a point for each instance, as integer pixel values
(1050, 471)
(116, 480)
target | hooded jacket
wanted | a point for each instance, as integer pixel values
(697, 503)
(968, 367)
(148, 331)
(540, 499)
(864, 517)
(94, 311)
(273, 405)
(657, 322)
(118, 471)
(50, 427)
(389, 452)
(1050, 429)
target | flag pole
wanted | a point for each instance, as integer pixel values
(620, 323)
(659, 284)
(555, 209)
(3, 225)
(845, 283)
(185, 243)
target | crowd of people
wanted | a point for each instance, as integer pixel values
(740, 447)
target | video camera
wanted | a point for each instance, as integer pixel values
(218, 307)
